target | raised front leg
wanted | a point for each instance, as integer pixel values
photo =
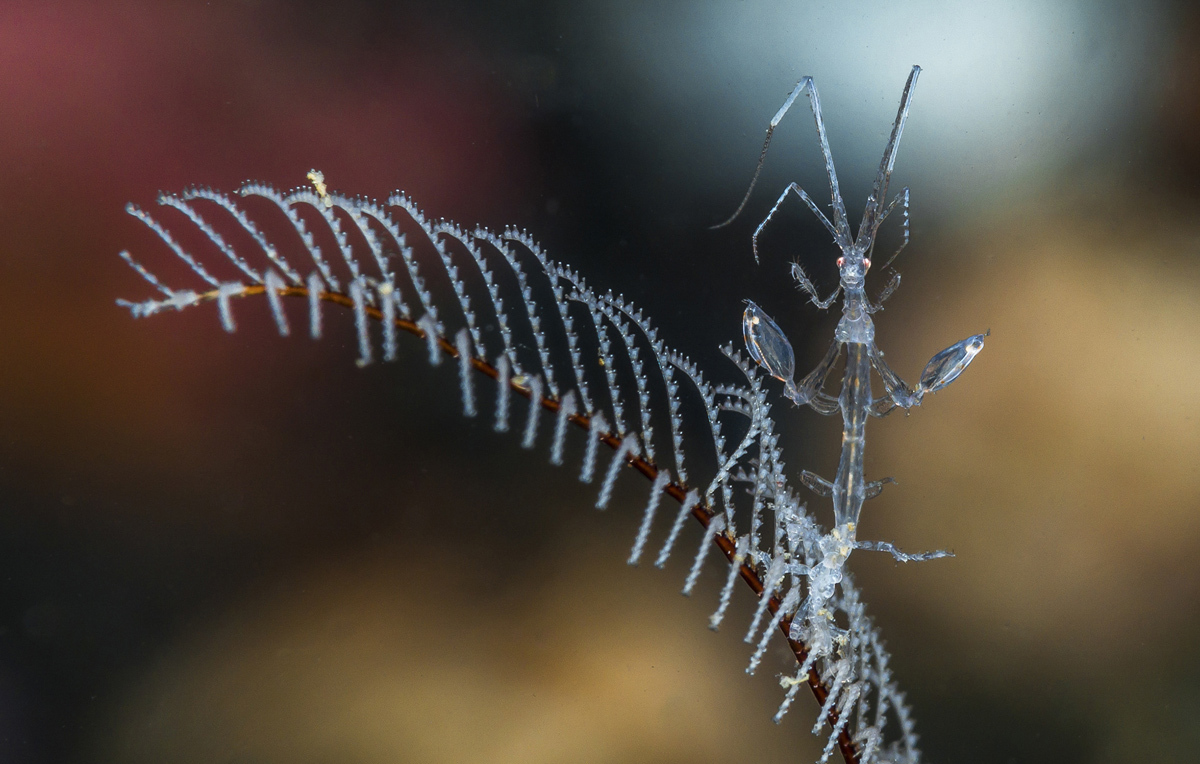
(894, 281)
(892, 285)
(806, 285)
(901, 201)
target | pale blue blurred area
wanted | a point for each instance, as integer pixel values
(1012, 93)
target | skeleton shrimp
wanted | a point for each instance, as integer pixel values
(855, 333)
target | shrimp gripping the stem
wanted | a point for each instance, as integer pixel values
(855, 332)
(814, 621)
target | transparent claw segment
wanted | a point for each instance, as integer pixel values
(771, 350)
(769, 347)
(941, 370)
(945, 367)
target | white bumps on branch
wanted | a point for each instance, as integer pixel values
(557, 341)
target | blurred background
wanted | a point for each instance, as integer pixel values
(242, 548)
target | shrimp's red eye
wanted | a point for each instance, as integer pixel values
(840, 261)
(866, 262)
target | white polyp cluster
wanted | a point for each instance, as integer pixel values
(815, 626)
(248, 226)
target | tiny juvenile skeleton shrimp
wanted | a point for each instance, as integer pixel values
(855, 333)
(317, 178)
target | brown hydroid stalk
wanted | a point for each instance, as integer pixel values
(677, 491)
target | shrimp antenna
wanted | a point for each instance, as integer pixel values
(762, 157)
(876, 211)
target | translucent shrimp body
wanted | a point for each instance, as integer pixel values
(855, 334)
(855, 331)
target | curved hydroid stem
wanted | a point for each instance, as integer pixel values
(702, 512)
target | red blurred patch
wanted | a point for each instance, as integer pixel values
(134, 97)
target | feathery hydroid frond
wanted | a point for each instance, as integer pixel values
(633, 381)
